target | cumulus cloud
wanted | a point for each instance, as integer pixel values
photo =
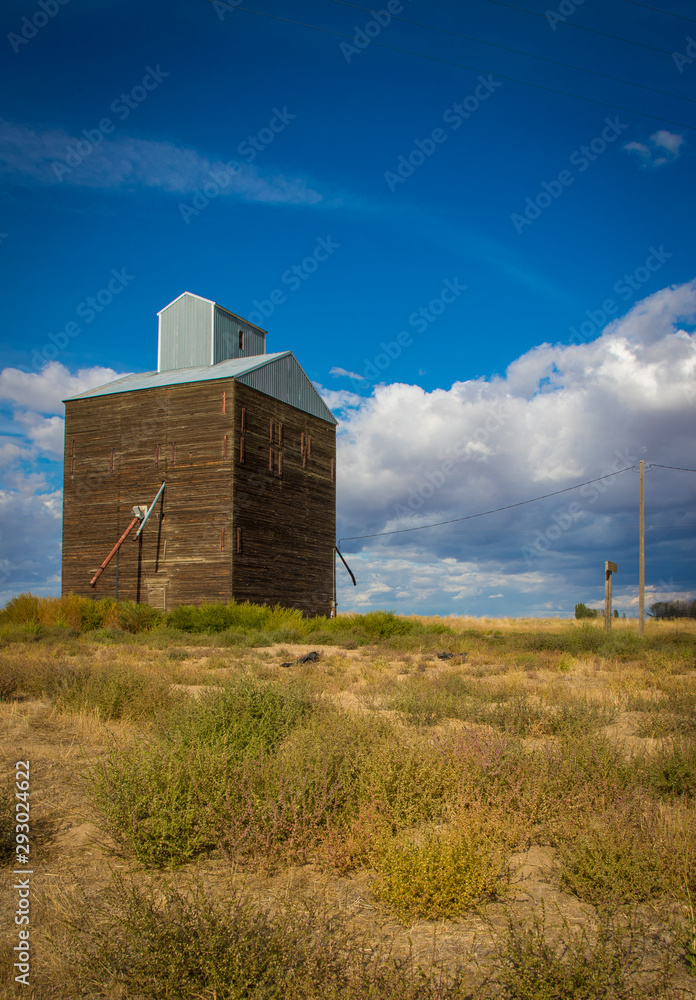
(30, 518)
(44, 391)
(35, 399)
(559, 416)
(664, 147)
(123, 162)
(31, 501)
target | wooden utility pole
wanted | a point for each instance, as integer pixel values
(641, 550)
(609, 568)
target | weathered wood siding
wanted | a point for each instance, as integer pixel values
(284, 505)
(174, 435)
(229, 525)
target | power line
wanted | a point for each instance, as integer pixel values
(521, 52)
(483, 513)
(448, 62)
(659, 10)
(581, 27)
(677, 467)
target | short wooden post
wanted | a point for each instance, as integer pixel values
(609, 568)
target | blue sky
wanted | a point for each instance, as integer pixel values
(150, 149)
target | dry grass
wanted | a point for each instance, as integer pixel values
(518, 823)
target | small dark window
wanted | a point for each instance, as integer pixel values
(222, 539)
(172, 455)
(271, 430)
(239, 539)
(270, 460)
(333, 468)
(241, 340)
(280, 463)
(111, 461)
(223, 401)
(224, 446)
(241, 449)
(280, 434)
(157, 448)
(243, 420)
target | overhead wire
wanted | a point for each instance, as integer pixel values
(522, 52)
(580, 27)
(483, 513)
(520, 503)
(678, 468)
(659, 10)
(449, 62)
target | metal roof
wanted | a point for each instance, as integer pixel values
(217, 305)
(284, 380)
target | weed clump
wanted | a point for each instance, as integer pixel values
(441, 877)
(7, 820)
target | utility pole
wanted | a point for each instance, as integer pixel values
(609, 568)
(641, 550)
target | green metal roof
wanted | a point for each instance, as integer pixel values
(278, 375)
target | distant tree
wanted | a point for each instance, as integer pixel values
(616, 613)
(582, 611)
(673, 609)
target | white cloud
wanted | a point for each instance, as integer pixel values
(125, 163)
(668, 140)
(560, 415)
(30, 506)
(665, 148)
(37, 408)
(30, 514)
(347, 374)
(44, 391)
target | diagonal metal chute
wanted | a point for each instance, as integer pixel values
(141, 513)
(149, 511)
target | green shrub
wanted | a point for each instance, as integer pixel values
(113, 692)
(191, 945)
(106, 636)
(441, 877)
(20, 610)
(148, 800)
(137, 617)
(168, 797)
(621, 857)
(533, 967)
(671, 770)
